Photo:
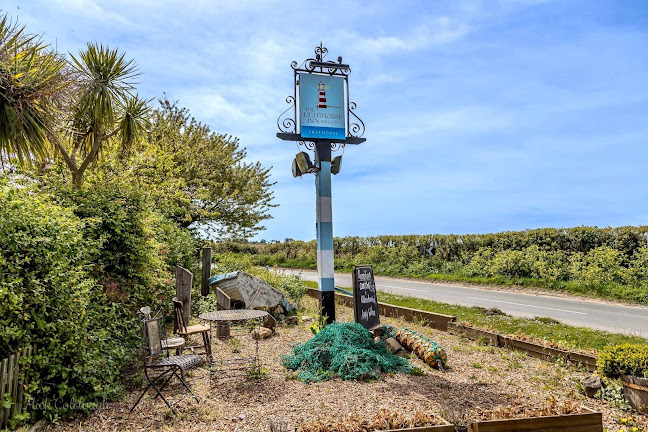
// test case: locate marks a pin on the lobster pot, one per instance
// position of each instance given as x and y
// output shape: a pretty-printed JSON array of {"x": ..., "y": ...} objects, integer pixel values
[{"x": 426, "y": 349}]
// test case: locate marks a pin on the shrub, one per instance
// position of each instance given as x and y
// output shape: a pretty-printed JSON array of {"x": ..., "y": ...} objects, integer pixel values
[
  {"x": 480, "y": 263},
  {"x": 136, "y": 246},
  {"x": 49, "y": 298},
  {"x": 627, "y": 359},
  {"x": 598, "y": 267},
  {"x": 510, "y": 263}
]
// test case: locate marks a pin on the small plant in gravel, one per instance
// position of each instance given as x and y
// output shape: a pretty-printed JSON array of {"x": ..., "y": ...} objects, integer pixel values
[
  {"x": 627, "y": 424},
  {"x": 613, "y": 393},
  {"x": 258, "y": 372},
  {"x": 235, "y": 345}
]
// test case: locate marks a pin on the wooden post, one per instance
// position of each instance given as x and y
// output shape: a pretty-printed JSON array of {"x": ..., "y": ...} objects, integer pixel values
[
  {"x": 224, "y": 303},
  {"x": 206, "y": 271},
  {"x": 3, "y": 385},
  {"x": 183, "y": 291}
]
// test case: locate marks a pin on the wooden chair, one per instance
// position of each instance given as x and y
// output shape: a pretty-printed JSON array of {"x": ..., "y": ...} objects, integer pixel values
[
  {"x": 174, "y": 342},
  {"x": 167, "y": 366},
  {"x": 186, "y": 331}
]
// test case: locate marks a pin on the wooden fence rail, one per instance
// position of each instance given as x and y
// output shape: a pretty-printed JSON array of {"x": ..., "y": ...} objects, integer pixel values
[{"x": 13, "y": 379}]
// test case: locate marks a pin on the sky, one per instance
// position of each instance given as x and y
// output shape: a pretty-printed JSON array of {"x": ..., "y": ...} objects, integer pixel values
[{"x": 481, "y": 116}]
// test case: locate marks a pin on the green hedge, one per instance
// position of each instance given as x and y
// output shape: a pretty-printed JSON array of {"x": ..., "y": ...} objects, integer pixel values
[
  {"x": 49, "y": 298},
  {"x": 75, "y": 265},
  {"x": 627, "y": 359},
  {"x": 599, "y": 262}
]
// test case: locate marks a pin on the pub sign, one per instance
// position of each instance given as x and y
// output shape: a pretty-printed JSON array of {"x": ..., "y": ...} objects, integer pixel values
[{"x": 322, "y": 106}]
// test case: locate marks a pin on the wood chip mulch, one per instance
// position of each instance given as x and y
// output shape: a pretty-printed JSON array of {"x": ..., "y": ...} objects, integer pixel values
[{"x": 481, "y": 379}]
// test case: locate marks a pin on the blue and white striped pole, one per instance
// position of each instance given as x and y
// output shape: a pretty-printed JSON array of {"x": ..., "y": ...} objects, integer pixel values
[{"x": 324, "y": 226}]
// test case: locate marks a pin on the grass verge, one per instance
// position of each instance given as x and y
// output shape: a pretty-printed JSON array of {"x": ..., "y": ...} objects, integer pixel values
[
  {"x": 610, "y": 291},
  {"x": 542, "y": 329}
]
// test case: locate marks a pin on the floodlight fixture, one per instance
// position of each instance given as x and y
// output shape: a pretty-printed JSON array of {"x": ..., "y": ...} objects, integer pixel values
[
  {"x": 336, "y": 164},
  {"x": 304, "y": 163},
  {"x": 296, "y": 172}
]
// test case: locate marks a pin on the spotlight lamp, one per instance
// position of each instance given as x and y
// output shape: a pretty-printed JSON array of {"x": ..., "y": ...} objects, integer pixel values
[
  {"x": 295, "y": 169},
  {"x": 304, "y": 163},
  {"x": 336, "y": 164}
]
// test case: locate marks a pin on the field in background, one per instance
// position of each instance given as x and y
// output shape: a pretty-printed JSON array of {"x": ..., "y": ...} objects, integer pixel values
[{"x": 610, "y": 263}]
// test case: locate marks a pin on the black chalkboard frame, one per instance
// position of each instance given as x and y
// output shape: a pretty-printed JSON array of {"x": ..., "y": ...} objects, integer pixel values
[{"x": 357, "y": 310}]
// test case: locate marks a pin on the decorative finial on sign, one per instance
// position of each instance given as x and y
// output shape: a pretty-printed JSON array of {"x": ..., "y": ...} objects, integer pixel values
[{"x": 320, "y": 52}]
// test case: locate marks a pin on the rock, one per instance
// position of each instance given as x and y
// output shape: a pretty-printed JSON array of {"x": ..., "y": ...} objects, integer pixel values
[
  {"x": 393, "y": 345},
  {"x": 291, "y": 320},
  {"x": 269, "y": 322},
  {"x": 591, "y": 384},
  {"x": 261, "y": 333},
  {"x": 281, "y": 317},
  {"x": 306, "y": 318}
]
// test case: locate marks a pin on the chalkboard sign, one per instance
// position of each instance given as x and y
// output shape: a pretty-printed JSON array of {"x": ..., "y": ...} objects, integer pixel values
[{"x": 364, "y": 297}]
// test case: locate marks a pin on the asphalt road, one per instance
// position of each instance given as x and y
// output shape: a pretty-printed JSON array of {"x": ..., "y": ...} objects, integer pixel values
[{"x": 601, "y": 315}]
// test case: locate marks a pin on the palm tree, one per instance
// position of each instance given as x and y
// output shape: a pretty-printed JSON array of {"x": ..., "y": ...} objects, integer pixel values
[
  {"x": 75, "y": 108},
  {"x": 32, "y": 80},
  {"x": 103, "y": 107}
]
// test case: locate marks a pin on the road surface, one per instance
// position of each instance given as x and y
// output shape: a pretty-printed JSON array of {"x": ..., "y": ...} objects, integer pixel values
[{"x": 601, "y": 315}]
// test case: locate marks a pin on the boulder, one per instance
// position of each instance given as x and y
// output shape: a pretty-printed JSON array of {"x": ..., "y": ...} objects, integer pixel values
[
  {"x": 269, "y": 322},
  {"x": 393, "y": 345},
  {"x": 591, "y": 384},
  {"x": 291, "y": 320},
  {"x": 261, "y": 333},
  {"x": 306, "y": 318}
]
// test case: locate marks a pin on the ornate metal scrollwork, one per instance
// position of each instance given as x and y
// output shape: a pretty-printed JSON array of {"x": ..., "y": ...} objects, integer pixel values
[
  {"x": 337, "y": 146},
  {"x": 357, "y": 126},
  {"x": 308, "y": 144},
  {"x": 285, "y": 123},
  {"x": 320, "y": 52}
]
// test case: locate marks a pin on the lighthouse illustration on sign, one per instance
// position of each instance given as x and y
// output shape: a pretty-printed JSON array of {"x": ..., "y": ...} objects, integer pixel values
[
  {"x": 321, "y": 100},
  {"x": 321, "y": 96}
]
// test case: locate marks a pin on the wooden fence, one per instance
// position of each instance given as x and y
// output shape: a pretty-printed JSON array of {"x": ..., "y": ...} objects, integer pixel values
[
  {"x": 13, "y": 379},
  {"x": 430, "y": 319}
]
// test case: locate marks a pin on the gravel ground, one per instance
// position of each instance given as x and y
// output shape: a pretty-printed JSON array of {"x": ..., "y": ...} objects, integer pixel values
[{"x": 482, "y": 379}]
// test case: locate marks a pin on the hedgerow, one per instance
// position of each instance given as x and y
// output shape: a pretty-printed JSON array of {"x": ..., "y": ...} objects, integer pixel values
[
  {"x": 75, "y": 265},
  {"x": 49, "y": 298},
  {"x": 602, "y": 262}
]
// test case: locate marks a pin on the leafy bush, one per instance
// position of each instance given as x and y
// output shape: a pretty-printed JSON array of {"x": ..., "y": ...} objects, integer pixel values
[
  {"x": 136, "y": 247},
  {"x": 600, "y": 266},
  {"x": 49, "y": 298},
  {"x": 627, "y": 359}
]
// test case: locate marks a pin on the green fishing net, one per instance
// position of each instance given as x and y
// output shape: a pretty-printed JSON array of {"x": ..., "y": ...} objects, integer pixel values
[{"x": 346, "y": 350}]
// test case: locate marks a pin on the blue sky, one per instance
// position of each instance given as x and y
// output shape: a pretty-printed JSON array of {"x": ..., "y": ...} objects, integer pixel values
[{"x": 481, "y": 116}]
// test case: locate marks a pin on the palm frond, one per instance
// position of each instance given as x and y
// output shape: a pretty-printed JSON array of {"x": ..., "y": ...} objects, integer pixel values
[
  {"x": 109, "y": 80},
  {"x": 135, "y": 122},
  {"x": 30, "y": 79}
]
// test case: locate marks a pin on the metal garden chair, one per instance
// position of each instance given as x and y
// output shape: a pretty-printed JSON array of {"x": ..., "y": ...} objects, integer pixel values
[
  {"x": 175, "y": 342},
  {"x": 165, "y": 367}
]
